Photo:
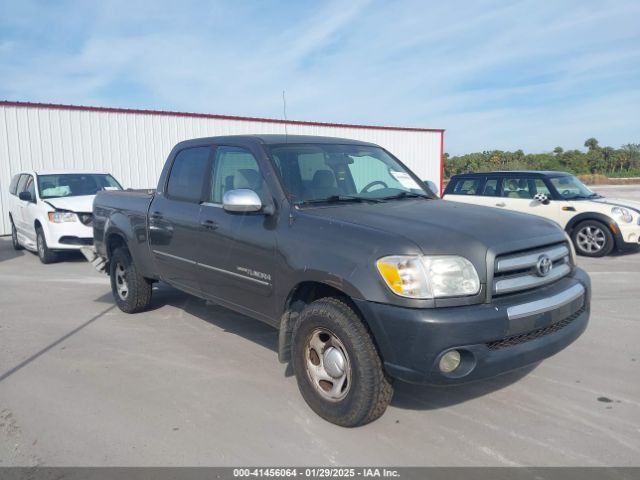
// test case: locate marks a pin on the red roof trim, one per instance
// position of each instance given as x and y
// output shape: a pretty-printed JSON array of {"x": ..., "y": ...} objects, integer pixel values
[{"x": 84, "y": 108}]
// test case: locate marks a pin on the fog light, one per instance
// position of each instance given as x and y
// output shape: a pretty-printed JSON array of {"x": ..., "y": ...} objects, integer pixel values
[{"x": 450, "y": 361}]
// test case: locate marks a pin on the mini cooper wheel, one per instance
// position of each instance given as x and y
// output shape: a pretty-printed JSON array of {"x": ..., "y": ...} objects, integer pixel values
[
  {"x": 45, "y": 254},
  {"x": 592, "y": 239},
  {"x": 14, "y": 238},
  {"x": 131, "y": 291},
  {"x": 337, "y": 366}
]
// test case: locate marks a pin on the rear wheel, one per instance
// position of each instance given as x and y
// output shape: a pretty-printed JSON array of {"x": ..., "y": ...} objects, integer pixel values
[
  {"x": 337, "y": 366},
  {"x": 14, "y": 238},
  {"x": 45, "y": 254},
  {"x": 592, "y": 239},
  {"x": 131, "y": 291}
]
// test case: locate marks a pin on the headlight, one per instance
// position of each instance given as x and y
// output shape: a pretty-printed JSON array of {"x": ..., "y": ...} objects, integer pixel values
[
  {"x": 622, "y": 214},
  {"x": 424, "y": 277},
  {"x": 61, "y": 217}
]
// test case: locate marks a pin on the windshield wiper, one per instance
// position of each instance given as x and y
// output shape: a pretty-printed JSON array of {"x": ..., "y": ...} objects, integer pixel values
[
  {"x": 407, "y": 195},
  {"x": 340, "y": 198}
]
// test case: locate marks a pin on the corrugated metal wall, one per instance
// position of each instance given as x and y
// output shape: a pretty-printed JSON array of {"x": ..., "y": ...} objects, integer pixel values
[{"x": 133, "y": 145}]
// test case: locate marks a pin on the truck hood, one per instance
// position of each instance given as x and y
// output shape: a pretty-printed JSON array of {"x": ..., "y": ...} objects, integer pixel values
[
  {"x": 83, "y": 203},
  {"x": 439, "y": 227}
]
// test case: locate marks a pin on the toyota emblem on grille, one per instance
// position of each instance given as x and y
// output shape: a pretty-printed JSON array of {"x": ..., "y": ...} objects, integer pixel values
[{"x": 544, "y": 265}]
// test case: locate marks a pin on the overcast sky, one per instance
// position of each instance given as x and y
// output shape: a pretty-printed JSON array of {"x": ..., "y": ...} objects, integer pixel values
[{"x": 494, "y": 74}]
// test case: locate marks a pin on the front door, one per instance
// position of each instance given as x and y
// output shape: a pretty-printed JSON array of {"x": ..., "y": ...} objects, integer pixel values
[
  {"x": 174, "y": 217},
  {"x": 236, "y": 250}
]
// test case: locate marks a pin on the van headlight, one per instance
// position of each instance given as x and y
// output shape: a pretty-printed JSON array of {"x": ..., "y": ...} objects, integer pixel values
[
  {"x": 424, "y": 277},
  {"x": 622, "y": 214},
  {"x": 62, "y": 217}
]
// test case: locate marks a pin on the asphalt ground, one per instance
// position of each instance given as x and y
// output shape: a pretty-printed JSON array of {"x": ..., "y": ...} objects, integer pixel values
[{"x": 189, "y": 383}]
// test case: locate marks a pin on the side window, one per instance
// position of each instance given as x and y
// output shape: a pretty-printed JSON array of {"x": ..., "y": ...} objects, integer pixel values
[
  {"x": 22, "y": 182},
  {"x": 13, "y": 188},
  {"x": 517, "y": 187},
  {"x": 31, "y": 187},
  {"x": 468, "y": 186},
  {"x": 490, "y": 188},
  {"x": 235, "y": 168},
  {"x": 541, "y": 187},
  {"x": 187, "y": 174}
]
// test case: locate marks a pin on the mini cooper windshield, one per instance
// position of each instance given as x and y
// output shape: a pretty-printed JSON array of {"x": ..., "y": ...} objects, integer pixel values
[
  {"x": 75, "y": 184},
  {"x": 319, "y": 173},
  {"x": 569, "y": 188}
]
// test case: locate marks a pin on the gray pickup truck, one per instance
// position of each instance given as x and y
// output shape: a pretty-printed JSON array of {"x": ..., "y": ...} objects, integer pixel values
[{"x": 367, "y": 275}]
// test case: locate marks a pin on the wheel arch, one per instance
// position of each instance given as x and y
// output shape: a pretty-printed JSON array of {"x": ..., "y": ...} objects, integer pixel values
[
  {"x": 301, "y": 295},
  {"x": 607, "y": 221}
]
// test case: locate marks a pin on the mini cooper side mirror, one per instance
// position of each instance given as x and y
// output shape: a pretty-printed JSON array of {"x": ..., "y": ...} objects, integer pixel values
[{"x": 542, "y": 198}]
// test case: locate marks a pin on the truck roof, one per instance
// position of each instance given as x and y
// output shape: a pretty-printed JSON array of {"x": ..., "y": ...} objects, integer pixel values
[{"x": 280, "y": 139}]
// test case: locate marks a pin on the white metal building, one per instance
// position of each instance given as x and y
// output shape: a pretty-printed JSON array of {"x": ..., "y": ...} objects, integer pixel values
[{"x": 133, "y": 144}]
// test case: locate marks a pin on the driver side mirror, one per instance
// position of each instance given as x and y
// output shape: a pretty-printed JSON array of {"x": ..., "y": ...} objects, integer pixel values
[
  {"x": 241, "y": 200},
  {"x": 542, "y": 198},
  {"x": 431, "y": 186},
  {"x": 25, "y": 196}
]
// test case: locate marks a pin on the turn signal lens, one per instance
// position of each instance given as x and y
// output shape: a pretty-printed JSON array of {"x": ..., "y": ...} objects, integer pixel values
[{"x": 405, "y": 276}]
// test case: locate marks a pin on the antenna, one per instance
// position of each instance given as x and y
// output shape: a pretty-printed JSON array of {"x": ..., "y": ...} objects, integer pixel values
[{"x": 284, "y": 109}]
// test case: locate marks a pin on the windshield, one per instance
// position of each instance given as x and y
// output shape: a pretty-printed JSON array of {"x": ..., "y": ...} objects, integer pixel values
[
  {"x": 75, "y": 184},
  {"x": 313, "y": 173},
  {"x": 569, "y": 187}
]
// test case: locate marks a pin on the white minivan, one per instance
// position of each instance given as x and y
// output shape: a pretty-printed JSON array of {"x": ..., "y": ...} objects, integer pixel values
[{"x": 52, "y": 211}]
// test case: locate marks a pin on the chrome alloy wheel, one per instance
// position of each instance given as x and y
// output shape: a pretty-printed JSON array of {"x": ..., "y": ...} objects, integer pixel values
[
  {"x": 327, "y": 364},
  {"x": 591, "y": 239},
  {"x": 121, "y": 282},
  {"x": 40, "y": 244}
]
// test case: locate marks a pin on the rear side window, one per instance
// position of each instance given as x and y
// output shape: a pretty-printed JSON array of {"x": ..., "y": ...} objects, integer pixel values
[
  {"x": 13, "y": 188},
  {"x": 188, "y": 173},
  {"x": 468, "y": 186}
]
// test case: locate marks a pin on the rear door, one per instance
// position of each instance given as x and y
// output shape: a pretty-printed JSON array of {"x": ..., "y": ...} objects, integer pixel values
[
  {"x": 235, "y": 251},
  {"x": 174, "y": 218}
]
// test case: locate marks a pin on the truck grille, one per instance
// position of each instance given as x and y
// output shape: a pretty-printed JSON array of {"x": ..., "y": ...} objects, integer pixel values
[
  {"x": 86, "y": 218},
  {"x": 520, "y": 271},
  {"x": 541, "y": 332}
]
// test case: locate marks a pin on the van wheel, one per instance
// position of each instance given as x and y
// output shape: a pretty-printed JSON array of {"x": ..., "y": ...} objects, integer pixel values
[
  {"x": 45, "y": 254},
  {"x": 337, "y": 366},
  {"x": 592, "y": 239},
  {"x": 14, "y": 238},
  {"x": 131, "y": 291}
]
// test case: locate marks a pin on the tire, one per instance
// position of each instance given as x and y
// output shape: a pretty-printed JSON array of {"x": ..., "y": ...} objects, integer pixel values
[
  {"x": 45, "y": 254},
  {"x": 14, "y": 238},
  {"x": 131, "y": 291},
  {"x": 592, "y": 238},
  {"x": 362, "y": 392}
]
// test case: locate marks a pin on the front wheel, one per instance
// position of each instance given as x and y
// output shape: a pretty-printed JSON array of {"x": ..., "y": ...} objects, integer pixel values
[
  {"x": 45, "y": 254},
  {"x": 131, "y": 291},
  {"x": 592, "y": 239},
  {"x": 337, "y": 366}
]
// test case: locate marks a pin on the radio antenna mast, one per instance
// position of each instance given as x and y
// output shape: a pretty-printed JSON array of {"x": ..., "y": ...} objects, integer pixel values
[{"x": 284, "y": 110}]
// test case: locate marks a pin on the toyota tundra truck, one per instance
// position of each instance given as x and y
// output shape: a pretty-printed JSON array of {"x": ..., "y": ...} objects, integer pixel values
[{"x": 365, "y": 273}]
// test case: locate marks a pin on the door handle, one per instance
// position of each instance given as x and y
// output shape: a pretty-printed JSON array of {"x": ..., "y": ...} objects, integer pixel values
[
  {"x": 209, "y": 224},
  {"x": 501, "y": 204},
  {"x": 156, "y": 216}
]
